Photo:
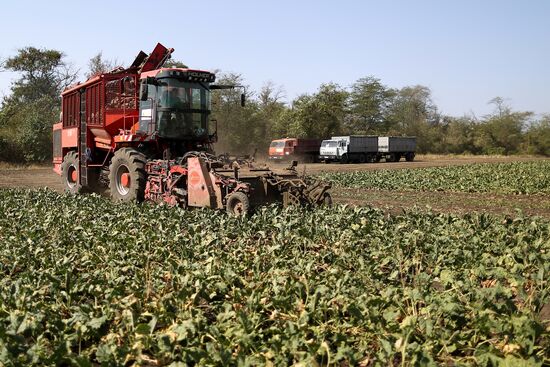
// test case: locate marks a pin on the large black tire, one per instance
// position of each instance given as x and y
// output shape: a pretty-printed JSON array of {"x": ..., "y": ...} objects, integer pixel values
[
  {"x": 69, "y": 173},
  {"x": 409, "y": 157},
  {"x": 127, "y": 177},
  {"x": 238, "y": 204},
  {"x": 344, "y": 159},
  {"x": 362, "y": 158}
]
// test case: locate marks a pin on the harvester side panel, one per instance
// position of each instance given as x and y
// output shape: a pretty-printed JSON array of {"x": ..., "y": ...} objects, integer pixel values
[
  {"x": 71, "y": 109},
  {"x": 94, "y": 104},
  {"x": 200, "y": 186}
]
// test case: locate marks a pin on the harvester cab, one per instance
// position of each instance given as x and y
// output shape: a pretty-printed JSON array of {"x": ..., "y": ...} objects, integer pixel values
[
  {"x": 175, "y": 105},
  {"x": 145, "y": 132}
]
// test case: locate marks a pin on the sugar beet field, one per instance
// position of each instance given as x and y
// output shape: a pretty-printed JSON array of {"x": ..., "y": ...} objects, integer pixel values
[{"x": 89, "y": 282}]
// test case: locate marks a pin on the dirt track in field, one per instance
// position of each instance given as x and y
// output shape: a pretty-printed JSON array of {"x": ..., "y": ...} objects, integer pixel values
[
  {"x": 32, "y": 177},
  {"x": 419, "y": 162},
  {"x": 393, "y": 201}
]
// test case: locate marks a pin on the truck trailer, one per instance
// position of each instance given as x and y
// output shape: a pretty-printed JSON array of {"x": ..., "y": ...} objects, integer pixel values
[
  {"x": 351, "y": 148},
  {"x": 367, "y": 148},
  {"x": 304, "y": 150},
  {"x": 392, "y": 148}
]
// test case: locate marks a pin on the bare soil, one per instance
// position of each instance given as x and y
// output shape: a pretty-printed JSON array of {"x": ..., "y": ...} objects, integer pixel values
[
  {"x": 392, "y": 201},
  {"x": 33, "y": 177}
]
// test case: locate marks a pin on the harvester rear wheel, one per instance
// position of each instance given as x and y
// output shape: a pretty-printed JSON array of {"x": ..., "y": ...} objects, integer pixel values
[
  {"x": 238, "y": 204},
  {"x": 69, "y": 173},
  {"x": 127, "y": 176}
]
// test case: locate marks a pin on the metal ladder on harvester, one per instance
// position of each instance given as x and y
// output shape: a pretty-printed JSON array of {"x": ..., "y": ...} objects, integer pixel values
[{"x": 82, "y": 148}]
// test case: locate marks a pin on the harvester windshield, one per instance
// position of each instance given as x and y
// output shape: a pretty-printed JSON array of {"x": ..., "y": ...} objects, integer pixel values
[
  {"x": 179, "y": 95},
  {"x": 329, "y": 143},
  {"x": 182, "y": 108}
]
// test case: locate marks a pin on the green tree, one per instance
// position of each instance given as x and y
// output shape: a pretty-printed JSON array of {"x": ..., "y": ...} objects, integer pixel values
[
  {"x": 502, "y": 131},
  {"x": 319, "y": 115},
  {"x": 458, "y": 135},
  {"x": 369, "y": 104},
  {"x": 270, "y": 109},
  {"x": 413, "y": 113},
  {"x": 44, "y": 73},
  {"x": 537, "y": 137},
  {"x": 98, "y": 65},
  {"x": 236, "y": 125},
  {"x": 27, "y": 114}
]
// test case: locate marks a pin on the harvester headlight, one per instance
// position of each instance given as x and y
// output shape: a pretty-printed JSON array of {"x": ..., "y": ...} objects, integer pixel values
[{"x": 287, "y": 153}]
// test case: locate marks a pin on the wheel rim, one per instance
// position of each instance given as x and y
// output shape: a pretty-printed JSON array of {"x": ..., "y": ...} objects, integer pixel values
[
  {"x": 72, "y": 176},
  {"x": 238, "y": 208},
  {"x": 123, "y": 180}
]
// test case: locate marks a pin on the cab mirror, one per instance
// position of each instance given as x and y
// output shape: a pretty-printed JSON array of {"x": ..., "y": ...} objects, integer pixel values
[
  {"x": 144, "y": 92},
  {"x": 243, "y": 100}
]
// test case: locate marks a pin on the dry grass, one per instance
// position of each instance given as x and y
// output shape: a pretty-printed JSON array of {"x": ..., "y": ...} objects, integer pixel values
[{"x": 20, "y": 166}]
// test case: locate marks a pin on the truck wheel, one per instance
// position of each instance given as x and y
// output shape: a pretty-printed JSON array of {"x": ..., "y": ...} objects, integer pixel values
[
  {"x": 127, "y": 177},
  {"x": 409, "y": 157},
  {"x": 362, "y": 158},
  {"x": 69, "y": 174},
  {"x": 391, "y": 158},
  {"x": 238, "y": 204},
  {"x": 344, "y": 159}
]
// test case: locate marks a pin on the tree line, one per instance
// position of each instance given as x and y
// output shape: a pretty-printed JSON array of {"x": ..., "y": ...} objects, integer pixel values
[{"x": 368, "y": 106}]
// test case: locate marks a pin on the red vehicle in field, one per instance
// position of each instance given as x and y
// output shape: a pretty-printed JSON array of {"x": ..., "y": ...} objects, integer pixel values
[
  {"x": 145, "y": 133},
  {"x": 305, "y": 150}
]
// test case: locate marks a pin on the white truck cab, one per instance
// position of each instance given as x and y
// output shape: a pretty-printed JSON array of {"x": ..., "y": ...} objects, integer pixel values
[{"x": 332, "y": 149}]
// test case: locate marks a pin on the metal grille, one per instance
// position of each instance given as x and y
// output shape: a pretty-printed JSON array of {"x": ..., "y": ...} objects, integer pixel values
[
  {"x": 71, "y": 109},
  {"x": 94, "y": 104},
  {"x": 120, "y": 94},
  {"x": 83, "y": 152},
  {"x": 57, "y": 150}
]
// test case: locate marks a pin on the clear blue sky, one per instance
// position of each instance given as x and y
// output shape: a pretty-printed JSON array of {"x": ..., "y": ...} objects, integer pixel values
[{"x": 466, "y": 51}]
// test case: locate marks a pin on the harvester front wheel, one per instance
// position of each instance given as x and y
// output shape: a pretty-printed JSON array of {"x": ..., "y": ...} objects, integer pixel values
[
  {"x": 238, "y": 204},
  {"x": 127, "y": 176},
  {"x": 69, "y": 173}
]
